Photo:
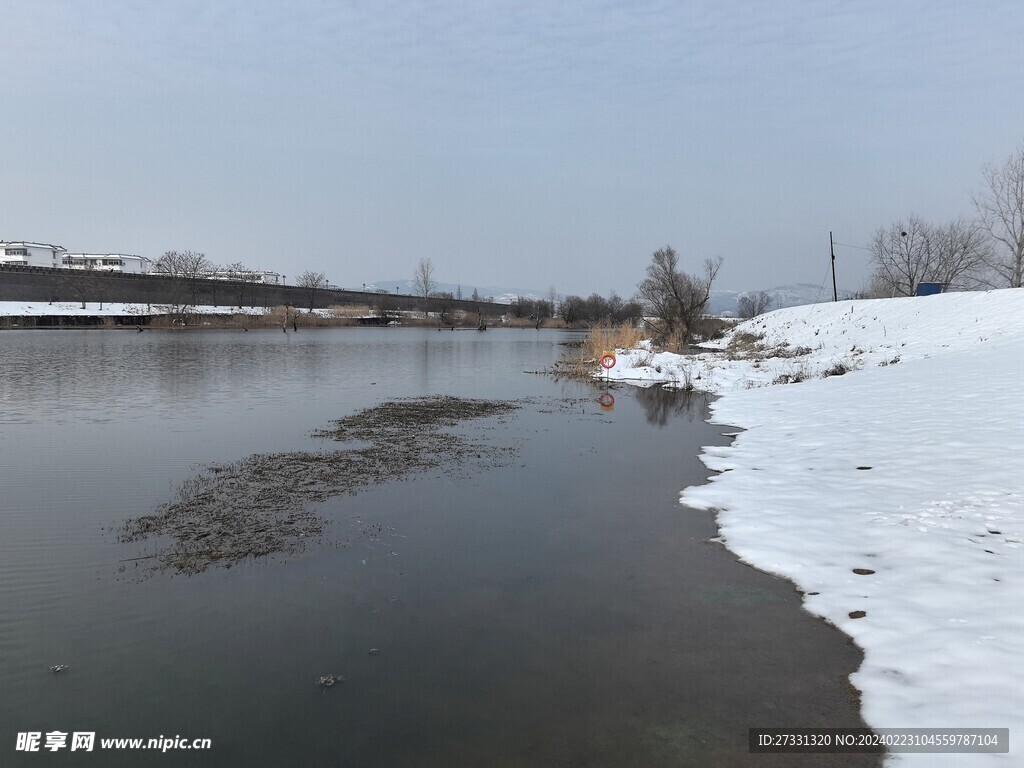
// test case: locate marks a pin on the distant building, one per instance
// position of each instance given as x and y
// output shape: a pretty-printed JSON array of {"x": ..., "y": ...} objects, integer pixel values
[
  {"x": 31, "y": 254},
  {"x": 245, "y": 276},
  {"x": 108, "y": 262},
  {"x": 45, "y": 255}
]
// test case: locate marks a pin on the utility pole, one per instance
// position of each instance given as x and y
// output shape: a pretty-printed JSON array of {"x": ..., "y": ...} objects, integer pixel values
[{"x": 832, "y": 248}]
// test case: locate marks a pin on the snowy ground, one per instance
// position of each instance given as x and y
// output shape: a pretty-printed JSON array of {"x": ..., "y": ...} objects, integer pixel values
[
  {"x": 909, "y": 469},
  {"x": 118, "y": 309}
]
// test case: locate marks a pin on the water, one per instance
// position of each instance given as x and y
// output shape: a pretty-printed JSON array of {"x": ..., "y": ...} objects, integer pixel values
[{"x": 560, "y": 610}]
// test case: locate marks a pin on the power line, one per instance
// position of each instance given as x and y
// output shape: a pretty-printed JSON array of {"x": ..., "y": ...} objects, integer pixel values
[
  {"x": 821, "y": 288},
  {"x": 858, "y": 247}
]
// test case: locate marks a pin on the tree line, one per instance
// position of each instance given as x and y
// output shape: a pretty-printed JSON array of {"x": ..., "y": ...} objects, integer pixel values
[
  {"x": 187, "y": 268},
  {"x": 984, "y": 251},
  {"x": 671, "y": 301},
  {"x": 597, "y": 309}
]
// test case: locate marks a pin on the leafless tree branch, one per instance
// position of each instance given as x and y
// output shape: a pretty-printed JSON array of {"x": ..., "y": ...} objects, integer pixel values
[{"x": 1000, "y": 209}]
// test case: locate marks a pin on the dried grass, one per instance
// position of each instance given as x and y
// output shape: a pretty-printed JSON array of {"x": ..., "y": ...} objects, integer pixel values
[
  {"x": 838, "y": 369},
  {"x": 750, "y": 346},
  {"x": 608, "y": 338},
  {"x": 745, "y": 344},
  {"x": 601, "y": 339},
  {"x": 642, "y": 361}
]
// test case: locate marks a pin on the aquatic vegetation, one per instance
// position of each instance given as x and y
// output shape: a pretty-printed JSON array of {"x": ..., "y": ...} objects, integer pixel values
[{"x": 261, "y": 504}]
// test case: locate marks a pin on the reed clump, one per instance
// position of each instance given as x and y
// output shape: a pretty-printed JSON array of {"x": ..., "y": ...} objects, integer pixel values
[
  {"x": 609, "y": 338},
  {"x": 583, "y": 360}
]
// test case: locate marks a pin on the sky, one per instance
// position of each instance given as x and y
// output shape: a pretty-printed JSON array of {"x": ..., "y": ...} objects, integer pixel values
[{"x": 522, "y": 144}]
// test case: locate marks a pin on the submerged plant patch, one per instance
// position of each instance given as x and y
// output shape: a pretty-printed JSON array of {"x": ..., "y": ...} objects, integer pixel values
[{"x": 260, "y": 505}]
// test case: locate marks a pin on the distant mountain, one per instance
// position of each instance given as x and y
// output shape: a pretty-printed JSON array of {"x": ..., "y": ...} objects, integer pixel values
[{"x": 725, "y": 302}]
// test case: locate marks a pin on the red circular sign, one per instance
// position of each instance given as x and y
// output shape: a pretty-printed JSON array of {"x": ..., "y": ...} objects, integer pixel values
[{"x": 608, "y": 360}]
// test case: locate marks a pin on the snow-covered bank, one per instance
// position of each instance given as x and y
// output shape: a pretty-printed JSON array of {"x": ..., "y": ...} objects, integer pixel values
[
  {"x": 894, "y": 493},
  {"x": 117, "y": 309},
  {"x": 805, "y": 342}
]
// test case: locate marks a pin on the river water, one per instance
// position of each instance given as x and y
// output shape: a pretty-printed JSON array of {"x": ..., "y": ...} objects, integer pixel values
[{"x": 559, "y": 609}]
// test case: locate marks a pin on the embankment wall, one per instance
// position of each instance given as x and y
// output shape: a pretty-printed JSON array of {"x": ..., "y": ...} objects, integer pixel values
[{"x": 47, "y": 284}]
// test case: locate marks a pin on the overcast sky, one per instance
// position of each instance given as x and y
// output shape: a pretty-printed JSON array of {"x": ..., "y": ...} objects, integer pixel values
[{"x": 522, "y": 144}]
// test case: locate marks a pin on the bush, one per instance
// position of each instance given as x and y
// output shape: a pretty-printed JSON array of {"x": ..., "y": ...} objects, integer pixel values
[
  {"x": 790, "y": 378},
  {"x": 753, "y": 304},
  {"x": 838, "y": 369}
]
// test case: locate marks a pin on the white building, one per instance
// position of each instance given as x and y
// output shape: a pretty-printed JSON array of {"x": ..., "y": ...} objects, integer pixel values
[
  {"x": 109, "y": 262},
  {"x": 31, "y": 254}
]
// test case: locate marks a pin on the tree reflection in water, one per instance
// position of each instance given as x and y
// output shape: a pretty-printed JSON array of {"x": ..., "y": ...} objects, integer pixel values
[{"x": 660, "y": 404}]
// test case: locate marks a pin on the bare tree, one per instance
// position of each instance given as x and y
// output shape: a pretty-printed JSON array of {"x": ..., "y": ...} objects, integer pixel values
[
  {"x": 962, "y": 252},
  {"x": 571, "y": 309},
  {"x": 914, "y": 251},
  {"x": 171, "y": 265},
  {"x": 423, "y": 279},
  {"x": 312, "y": 282},
  {"x": 674, "y": 299},
  {"x": 753, "y": 304},
  {"x": 521, "y": 307},
  {"x": 190, "y": 266},
  {"x": 1000, "y": 207},
  {"x": 901, "y": 256},
  {"x": 542, "y": 311},
  {"x": 614, "y": 305},
  {"x": 242, "y": 277}
]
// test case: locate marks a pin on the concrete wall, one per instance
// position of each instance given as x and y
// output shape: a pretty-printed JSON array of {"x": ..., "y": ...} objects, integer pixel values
[{"x": 44, "y": 284}]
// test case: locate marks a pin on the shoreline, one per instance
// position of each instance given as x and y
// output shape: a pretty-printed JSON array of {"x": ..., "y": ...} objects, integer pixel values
[
  {"x": 119, "y": 316},
  {"x": 890, "y": 496}
]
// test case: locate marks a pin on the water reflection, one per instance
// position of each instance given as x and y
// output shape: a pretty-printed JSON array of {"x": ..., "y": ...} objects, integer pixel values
[
  {"x": 67, "y": 375},
  {"x": 661, "y": 404}
]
